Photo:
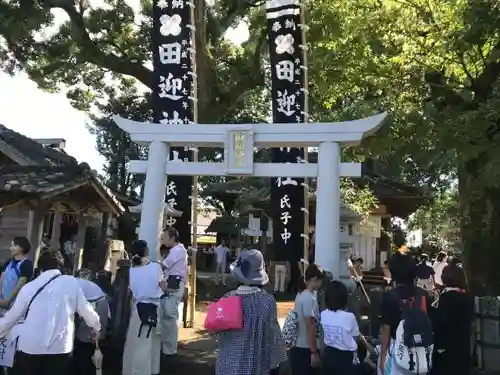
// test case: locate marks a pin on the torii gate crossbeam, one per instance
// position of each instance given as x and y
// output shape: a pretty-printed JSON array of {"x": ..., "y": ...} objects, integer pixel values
[{"x": 239, "y": 142}]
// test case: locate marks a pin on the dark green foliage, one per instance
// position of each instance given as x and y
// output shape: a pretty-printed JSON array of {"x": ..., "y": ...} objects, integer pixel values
[{"x": 432, "y": 64}]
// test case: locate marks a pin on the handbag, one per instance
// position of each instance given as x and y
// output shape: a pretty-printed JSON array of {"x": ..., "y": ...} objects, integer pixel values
[
  {"x": 174, "y": 282},
  {"x": 224, "y": 315},
  {"x": 148, "y": 314}
]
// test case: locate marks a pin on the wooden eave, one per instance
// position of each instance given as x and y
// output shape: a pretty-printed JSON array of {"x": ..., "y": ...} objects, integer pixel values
[{"x": 66, "y": 186}]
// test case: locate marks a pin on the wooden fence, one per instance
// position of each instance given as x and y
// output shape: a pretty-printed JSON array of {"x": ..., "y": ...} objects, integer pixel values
[{"x": 486, "y": 333}]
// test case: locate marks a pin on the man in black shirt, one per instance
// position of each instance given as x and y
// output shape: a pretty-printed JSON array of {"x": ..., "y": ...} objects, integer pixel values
[
  {"x": 425, "y": 274},
  {"x": 16, "y": 272},
  {"x": 404, "y": 271}
]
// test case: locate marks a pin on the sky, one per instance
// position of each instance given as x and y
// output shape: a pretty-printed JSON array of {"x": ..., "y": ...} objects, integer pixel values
[{"x": 37, "y": 114}]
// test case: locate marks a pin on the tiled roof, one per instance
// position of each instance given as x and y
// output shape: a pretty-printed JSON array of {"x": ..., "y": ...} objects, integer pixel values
[
  {"x": 40, "y": 179},
  {"x": 50, "y": 171},
  {"x": 52, "y": 180},
  {"x": 34, "y": 151},
  {"x": 384, "y": 187},
  {"x": 381, "y": 187},
  {"x": 227, "y": 225},
  {"x": 402, "y": 198}
]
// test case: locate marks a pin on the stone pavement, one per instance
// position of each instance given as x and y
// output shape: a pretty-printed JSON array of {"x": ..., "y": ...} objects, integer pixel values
[{"x": 197, "y": 349}]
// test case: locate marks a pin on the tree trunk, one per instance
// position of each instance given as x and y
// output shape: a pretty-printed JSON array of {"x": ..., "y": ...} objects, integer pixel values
[
  {"x": 480, "y": 228},
  {"x": 204, "y": 74}
]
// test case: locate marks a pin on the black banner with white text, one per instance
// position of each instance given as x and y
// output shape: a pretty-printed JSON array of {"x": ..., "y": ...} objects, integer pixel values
[
  {"x": 288, "y": 97},
  {"x": 173, "y": 101}
]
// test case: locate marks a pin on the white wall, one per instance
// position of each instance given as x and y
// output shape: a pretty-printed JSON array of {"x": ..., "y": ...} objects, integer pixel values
[
  {"x": 203, "y": 221},
  {"x": 361, "y": 238},
  {"x": 415, "y": 238}
]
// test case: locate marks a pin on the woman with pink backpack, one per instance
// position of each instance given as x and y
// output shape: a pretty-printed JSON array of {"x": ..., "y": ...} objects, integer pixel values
[{"x": 245, "y": 322}]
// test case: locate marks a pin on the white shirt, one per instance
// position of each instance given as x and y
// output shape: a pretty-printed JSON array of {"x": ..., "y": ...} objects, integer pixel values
[
  {"x": 176, "y": 262},
  {"x": 438, "y": 269},
  {"x": 145, "y": 282},
  {"x": 49, "y": 327},
  {"x": 91, "y": 290},
  {"x": 69, "y": 247},
  {"x": 221, "y": 253},
  {"x": 340, "y": 329}
]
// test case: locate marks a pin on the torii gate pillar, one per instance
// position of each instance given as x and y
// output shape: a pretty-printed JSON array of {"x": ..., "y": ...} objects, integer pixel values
[
  {"x": 239, "y": 141},
  {"x": 154, "y": 196},
  {"x": 328, "y": 211}
]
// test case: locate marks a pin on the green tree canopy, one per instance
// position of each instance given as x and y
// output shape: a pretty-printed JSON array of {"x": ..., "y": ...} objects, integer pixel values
[
  {"x": 101, "y": 56},
  {"x": 439, "y": 221},
  {"x": 432, "y": 64}
]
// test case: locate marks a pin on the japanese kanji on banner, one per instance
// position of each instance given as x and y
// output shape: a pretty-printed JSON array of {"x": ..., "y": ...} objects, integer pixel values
[
  {"x": 174, "y": 100},
  {"x": 7, "y": 351},
  {"x": 287, "y": 49}
]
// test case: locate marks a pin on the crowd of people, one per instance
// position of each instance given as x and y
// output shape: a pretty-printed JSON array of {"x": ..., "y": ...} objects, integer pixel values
[
  {"x": 425, "y": 319},
  {"x": 157, "y": 290},
  {"x": 55, "y": 321},
  {"x": 48, "y": 317}
]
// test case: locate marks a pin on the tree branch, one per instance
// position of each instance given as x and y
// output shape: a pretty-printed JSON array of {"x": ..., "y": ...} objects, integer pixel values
[
  {"x": 91, "y": 51},
  {"x": 437, "y": 82},
  {"x": 231, "y": 15},
  {"x": 237, "y": 9},
  {"x": 204, "y": 67},
  {"x": 461, "y": 56},
  {"x": 481, "y": 54},
  {"x": 249, "y": 80},
  {"x": 485, "y": 81}
]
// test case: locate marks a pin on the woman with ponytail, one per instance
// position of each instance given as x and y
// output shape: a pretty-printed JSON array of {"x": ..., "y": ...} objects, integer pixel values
[
  {"x": 143, "y": 343},
  {"x": 304, "y": 356}
]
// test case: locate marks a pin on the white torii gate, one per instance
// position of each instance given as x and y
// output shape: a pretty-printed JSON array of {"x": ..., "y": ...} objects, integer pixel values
[
  {"x": 239, "y": 142},
  {"x": 168, "y": 211}
]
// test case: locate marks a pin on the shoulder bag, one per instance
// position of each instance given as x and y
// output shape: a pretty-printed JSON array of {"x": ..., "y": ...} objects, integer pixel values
[
  {"x": 38, "y": 292},
  {"x": 31, "y": 301}
]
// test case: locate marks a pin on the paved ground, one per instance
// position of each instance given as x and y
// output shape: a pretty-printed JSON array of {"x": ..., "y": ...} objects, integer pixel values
[{"x": 197, "y": 350}]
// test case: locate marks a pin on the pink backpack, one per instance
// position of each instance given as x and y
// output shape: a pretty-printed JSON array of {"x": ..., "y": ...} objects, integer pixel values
[{"x": 224, "y": 315}]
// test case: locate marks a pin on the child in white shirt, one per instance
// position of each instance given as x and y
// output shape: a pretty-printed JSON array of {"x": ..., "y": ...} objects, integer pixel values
[{"x": 341, "y": 332}]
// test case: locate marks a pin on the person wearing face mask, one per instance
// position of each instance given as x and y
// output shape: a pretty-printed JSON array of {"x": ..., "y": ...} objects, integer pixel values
[{"x": 175, "y": 275}]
